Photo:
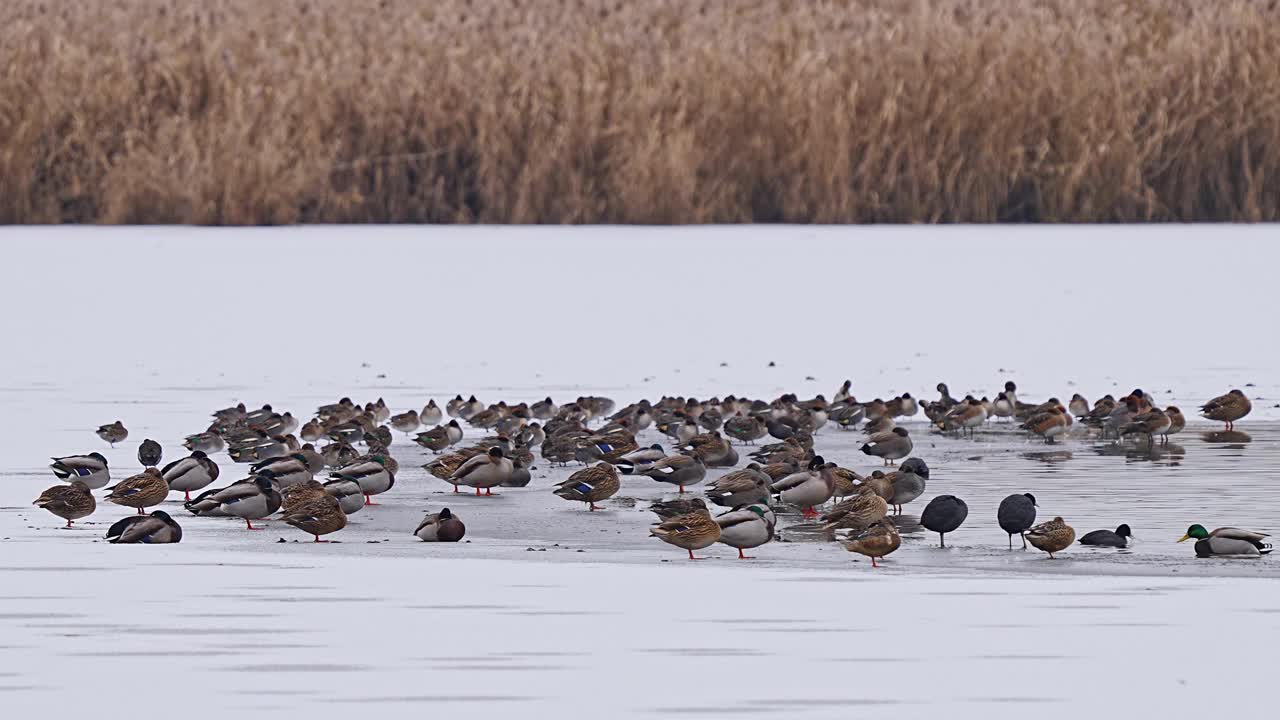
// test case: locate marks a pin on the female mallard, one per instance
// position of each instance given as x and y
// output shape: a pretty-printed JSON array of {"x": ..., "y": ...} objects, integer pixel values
[
  {"x": 89, "y": 469},
  {"x": 1227, "y": 541},
  {"x": 1051, "y": 537},
  {"x": 150, "y": 453},
  {"x": 944, "y": 514},
  {"x": 746, "y": 527},
  {"x": 154, "y": 529},
  {"x": 1227, "y": 408},
  {"x": 892, "y": 445},
  {"x": 443, "y": 526},
  {"x": 348, "y": 493},
  {"x": 484, "y": 471},
  {"x": 679, "y": 470},
  {"x": 1106, "y": 538},
  {"x": 372, "y": 474},
  {"x": 876, "y": 541},
  {"x": 113, "y": 433},
  {"x": 807, "y": 489},
  {"x": 194, "y": 472},
  {"x": 846, "y": 482},
  {"x": 590, "y": 485},
  {"x": 319, "y": 516},
  {"x": 740, "y": 487},
  {"x": 144, "y": 490},
  {"x": 712, "y": 449},
  {"x": 692, "y": 531},
  {"x": 295, "y": 495},
  {"x": 859, "y": 512},
  {"x": 69, "y": 502},
  {"x": 668, "y": 509},
  {"x": 880, "y": 484}
]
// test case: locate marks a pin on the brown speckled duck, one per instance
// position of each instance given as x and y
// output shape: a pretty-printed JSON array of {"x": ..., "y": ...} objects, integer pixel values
[
  {"x": 69, "y": 502},
  {"x": 1227, "y": 408},
  {"x": 1051, "y": 537},
  {"x": 590, "y": 485},
  {"x": 144, "y": 490}
]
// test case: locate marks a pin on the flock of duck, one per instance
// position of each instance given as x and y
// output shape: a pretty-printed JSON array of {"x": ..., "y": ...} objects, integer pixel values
[{"x": 787, "y": 474}]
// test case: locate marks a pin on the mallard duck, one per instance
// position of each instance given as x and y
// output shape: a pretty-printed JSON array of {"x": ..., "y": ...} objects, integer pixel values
[
  {"x": 746, "y": 527},
  {"x": 520, "y": 475},
  {"x": 149, "y": 453},
  {"x": 1150, "y": 423},
  {"x": 807, "y": 489},
  {"x": 318, "y": 516},
  {"x": 431, "y": 413},
  {"x": 908, "y": 482},
  {"x": 859, "y": 512},
  {"x": 892, "y": 445},
  {"x": 89, "y": 469},
  {"x": 740, "y": 487},
  {"x": 1048, "y": 424},
  {"x": 692, "y": 531},
  {"x": 443, "y": 526},
  {"x": 944, "y": 514},
  {"x": 1051, "y": 537},
  {"x": 1107, "y": 538},
  {"x": 113, "y": 433},
  {"x": 154, "y": 529},
  {"x": 295, "y": 495},
  {"x": 286, "y": 470},
  {"x": 144, "y": 490},
  {"x": 712, "y": 449},
  {"x": 443, "y": 466},
  {"x": 207, "y": 442},
  {"x": 338, "y": 454},
  {"x": 876, "y": 541},
  {"x": 667, "y": 509},
  {"x": 1176, "y": 421},
  {"x": 880, "y": 484},
  {"x": 348, "y": 493},
  {"x": 637, "y": 461},
  {"x": 1016, "y": 515},
  {"x": 406, "y": 422},
  {"x": 746, "y": 429},
  {"x": 590, "y": 485},
  {"x": 436, "y": 439},
  {"x": 679, "y": 470},
  {"x": 69, "y": 502},
  {"x": 1227, "y": 541},
  {"x": 373, "y": 475},
  {"x": 194, "y": 472},
  {"x": 249, "y": 500},
  {"x": 484, "y": 471},
  {"x": 846, "y": 482},
  {"x": 1079, "y": 406},
  {"x": 1227, "y": 408}
]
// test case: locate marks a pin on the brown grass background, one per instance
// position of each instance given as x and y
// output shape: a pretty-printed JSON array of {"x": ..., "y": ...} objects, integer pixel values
[{"x": 639, "y": 111}]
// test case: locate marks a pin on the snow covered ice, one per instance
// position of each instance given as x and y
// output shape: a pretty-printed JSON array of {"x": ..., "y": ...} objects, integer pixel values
[{"x": 550, "y": 609}]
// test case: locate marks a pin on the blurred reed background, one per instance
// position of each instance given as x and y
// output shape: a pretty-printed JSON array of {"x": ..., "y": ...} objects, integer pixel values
[{"x": 639, "y": 111}]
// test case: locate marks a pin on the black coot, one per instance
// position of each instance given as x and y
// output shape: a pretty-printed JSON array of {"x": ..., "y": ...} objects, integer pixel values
[
  {"x": 1016, "y": 515},
  {"x": 944, "y": 514}
]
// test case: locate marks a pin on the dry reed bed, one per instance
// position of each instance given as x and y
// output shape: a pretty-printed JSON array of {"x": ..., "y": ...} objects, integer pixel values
[{"x": 655, "y": 111}]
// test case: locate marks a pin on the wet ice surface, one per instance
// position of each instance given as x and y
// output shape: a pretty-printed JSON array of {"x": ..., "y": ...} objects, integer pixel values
[{"x": 548, "y": 608}]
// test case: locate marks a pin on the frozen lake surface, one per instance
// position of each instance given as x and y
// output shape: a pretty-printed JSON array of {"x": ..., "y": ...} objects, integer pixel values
[{"x": 547, "y": 608}]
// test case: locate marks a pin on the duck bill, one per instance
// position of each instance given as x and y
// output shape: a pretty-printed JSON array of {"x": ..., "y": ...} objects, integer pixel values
[{"x": 1184, "y": 538}]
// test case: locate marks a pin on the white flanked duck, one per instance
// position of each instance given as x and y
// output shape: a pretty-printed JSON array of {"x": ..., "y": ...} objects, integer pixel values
[
  {"x": 89, "y": 469},
  {"x": 809, "y": 488},
  {"x": 443, "y": 526},
  {"x": 194, "y": 472},
  {"x": 154, "y": 529},
  {"x": 372, "y": 474},
  {"x": 249, "y": 500},
  {"x": 484, "y": 471},
  {"x": 746, "y": 527},
  {"x": 1227, "y": 541}
]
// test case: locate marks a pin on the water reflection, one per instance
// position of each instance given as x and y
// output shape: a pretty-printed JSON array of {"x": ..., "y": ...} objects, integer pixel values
[
  {"x": 1049, "y": 456},
  {"x": 1235, "y": 439}
]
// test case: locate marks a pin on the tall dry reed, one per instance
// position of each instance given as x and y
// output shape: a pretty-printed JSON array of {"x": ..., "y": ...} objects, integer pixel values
[{"x": 638, "y": 111}]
